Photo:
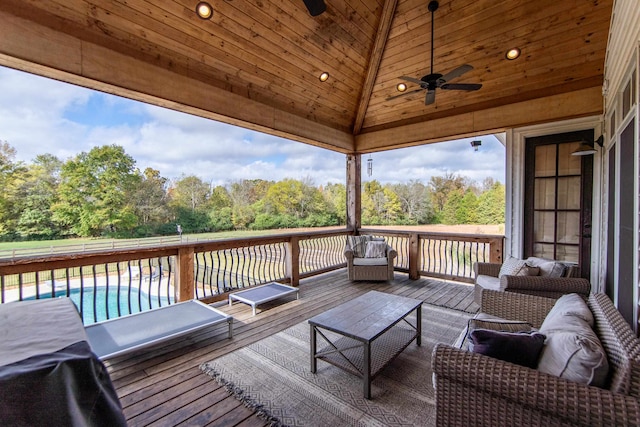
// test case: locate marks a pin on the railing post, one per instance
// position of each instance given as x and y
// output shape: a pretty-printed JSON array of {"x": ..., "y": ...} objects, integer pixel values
[
  {"x": 496, "y": 250},
  {"x": 184, "y": 275},
  {"x": 293, "y": 260},
  {"x": 414, "y": 256}
]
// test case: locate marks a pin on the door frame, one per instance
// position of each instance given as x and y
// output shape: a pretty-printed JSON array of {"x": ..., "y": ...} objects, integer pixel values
[
  {"x": 515, "y": 190},
  {"x": 586, "y": 199}
]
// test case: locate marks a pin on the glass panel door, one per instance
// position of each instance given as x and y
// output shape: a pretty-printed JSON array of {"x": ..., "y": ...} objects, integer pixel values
[{"x": 557, "y": 210}]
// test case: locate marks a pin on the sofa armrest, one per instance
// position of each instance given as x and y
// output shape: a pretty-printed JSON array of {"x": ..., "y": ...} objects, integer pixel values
[
  {"x": 458, "y": 371},
  {"x": 487, "y": 268},
  {"x": 550, "y": 287},
  {"x": 391, "y": 253},
  {"x": 348, "y": 253},
  {"x": 515, "y": 306}
]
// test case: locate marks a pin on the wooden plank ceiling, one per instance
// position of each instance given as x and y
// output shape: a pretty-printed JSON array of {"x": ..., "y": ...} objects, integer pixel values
[{"x": 256, "y": 63}]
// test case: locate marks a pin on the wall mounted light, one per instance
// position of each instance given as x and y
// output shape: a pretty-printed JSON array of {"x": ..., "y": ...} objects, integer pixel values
[
  {"x": 324, "y": 77},
  {"x": 587, "y": 148},
  {"x": 401, "y": 87},
  {"x": 476, "y": 145},
  {"x": 512, "y": 54},
  {"x": 204, "y": 10}
]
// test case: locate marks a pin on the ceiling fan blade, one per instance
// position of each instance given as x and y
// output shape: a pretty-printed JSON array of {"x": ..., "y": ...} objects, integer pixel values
[
  {"x": 403, "y": 94},
  {"x": 315, "y": 7},
  {"x": 430, "y": 98},
  {"x": 461, "y": 86},
  {"x": 412, "y": 80},
  {"x": 455, "y": 73}
]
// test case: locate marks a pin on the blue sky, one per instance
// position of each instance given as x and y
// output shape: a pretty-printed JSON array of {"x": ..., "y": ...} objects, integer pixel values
[{"x": 39, "y": 115}]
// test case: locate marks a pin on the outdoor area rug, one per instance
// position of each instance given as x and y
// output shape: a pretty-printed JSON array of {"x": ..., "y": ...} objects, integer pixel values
[{"x": 273, "y": 377}]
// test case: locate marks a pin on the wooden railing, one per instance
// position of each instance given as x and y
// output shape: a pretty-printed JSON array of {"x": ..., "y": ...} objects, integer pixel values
[
  {"x": 448, "y": 256},
  {"x": 112, "y": 283}
]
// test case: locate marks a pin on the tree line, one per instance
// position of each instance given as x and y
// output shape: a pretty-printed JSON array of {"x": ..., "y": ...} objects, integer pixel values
[{"x": 103, "y": 193}]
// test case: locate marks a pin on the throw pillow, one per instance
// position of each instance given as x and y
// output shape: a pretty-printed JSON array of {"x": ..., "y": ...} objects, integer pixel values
[
  {"x": 566, "y": 306},
  {"x": 358, "y": 245},
  {"x": 576, "y": 357},
  {"x": 527, "y": 270},
  {"x": 519, "y": 348},
  {"x": 485, "y": 321},
  {"x": 510, "y": 266},
  {"x": 376, "y": 249},
  {"x": 552, "y": 269}
]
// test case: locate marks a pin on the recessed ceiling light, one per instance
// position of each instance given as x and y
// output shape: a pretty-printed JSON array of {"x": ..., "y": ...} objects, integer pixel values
[
  {"x": 401, "y": 87},
  {"x": 204, "y": 10},
  {"x": 324, "y": 77},
  {"x": 513, "y": 54}
]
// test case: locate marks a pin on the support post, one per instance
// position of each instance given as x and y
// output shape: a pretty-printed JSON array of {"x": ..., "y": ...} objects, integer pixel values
[
  {"x": 496, "y": 250},
  {"x": 414, "y": 256},
  {"x": 293, "y": 260},
  {"x": 354, "y": 184},
  {"x": 185, "y": 285}
]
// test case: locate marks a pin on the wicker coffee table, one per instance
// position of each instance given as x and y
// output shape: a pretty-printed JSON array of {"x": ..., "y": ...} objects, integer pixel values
[{"x": 365, "y": 334}]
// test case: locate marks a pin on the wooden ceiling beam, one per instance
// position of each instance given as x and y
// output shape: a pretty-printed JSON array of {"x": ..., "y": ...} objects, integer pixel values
[
  {"x": 581, "y": 103},
  {"x": 374, "y": 63}
]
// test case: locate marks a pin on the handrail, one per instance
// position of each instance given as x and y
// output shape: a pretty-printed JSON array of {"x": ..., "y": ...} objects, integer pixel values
[{"x": 136, "y": 279}]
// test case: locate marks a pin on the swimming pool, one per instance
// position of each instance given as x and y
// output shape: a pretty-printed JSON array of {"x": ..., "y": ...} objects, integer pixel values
[{"x": 102, "y": 303}]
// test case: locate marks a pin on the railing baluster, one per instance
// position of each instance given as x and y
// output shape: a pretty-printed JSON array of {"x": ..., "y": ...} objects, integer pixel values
[
  {"x": 118, "y": 287},
  {"x": 106, "y": 292}
]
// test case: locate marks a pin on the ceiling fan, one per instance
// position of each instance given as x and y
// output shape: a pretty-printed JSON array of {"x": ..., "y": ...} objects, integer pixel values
[
  {"x": 433, "y": 81},
  {"x": 315, "y": 7}
]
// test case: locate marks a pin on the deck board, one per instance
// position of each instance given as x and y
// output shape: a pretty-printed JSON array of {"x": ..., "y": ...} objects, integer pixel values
[{"x": 162, "y": 385}]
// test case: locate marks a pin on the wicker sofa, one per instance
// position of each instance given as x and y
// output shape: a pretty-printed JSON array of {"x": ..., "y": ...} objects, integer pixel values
[
  {"x": 487, "y": 277},
  {"x": 477, "y": 390}
]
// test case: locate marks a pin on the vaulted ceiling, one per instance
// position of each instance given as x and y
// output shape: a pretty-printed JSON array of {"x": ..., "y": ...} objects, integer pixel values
[{"x": 257, "y": 63}]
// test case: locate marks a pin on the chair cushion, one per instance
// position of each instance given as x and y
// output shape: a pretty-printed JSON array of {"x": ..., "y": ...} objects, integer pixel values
[
  {"x": 370, "y": 261},
  {"x": 376, "y": 249},
  {"x": 488, "y": 282},
  {"x": 516, "y": 347}
]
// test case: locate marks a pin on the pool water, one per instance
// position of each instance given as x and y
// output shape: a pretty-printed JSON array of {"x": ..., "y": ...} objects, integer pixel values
[{"x": 107, "y": 302}]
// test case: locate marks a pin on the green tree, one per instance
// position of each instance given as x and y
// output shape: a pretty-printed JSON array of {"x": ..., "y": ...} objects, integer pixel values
[
  {"x": 149, "y": 197},
  {"x": 11, "y": 176},
  {"x": 38, "y": 193},
  {"x": 335, "y": 196},
  {"x": 94, "y": 191},
  {"x": 416, "y": 202},
  {"x": 491, "y": 205},
  {"x": 373, "y": 200},
  {"x": 189, "y": 192}
]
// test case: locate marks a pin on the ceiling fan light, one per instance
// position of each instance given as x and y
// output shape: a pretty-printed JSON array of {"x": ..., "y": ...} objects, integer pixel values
[
  {"x": 513, "y": 53},
  {"x": 204, "y": 10},
  {"x": 324, "y": 77},
  {"x": 401, "y": 87}
]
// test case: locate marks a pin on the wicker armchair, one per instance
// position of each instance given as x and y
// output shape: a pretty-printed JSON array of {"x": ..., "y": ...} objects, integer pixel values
[
  {"x": 477, "y": 390},
  {"x": 549, "y": 287},
  {"x": 370, "y": 268}
]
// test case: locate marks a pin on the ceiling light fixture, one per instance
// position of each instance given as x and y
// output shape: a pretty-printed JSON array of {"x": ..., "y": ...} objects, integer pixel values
[
  {"x": 512, "y": 54},
  {"x": 587, "y": 147},
  {"x": 324, "y": 77},
  {"x": 401, "y": 87},
  {"x": 204, "y": 10}
]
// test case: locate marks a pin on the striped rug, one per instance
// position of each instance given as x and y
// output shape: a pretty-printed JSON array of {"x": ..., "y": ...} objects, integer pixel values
[{"x": 273, "y": 377}]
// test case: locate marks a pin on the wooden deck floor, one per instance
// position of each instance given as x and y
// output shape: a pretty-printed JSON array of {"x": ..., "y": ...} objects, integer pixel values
[{"x": 164, "y": 386}]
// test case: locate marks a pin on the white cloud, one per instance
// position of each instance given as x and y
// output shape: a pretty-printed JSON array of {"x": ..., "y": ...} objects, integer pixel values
[{"x": 33, "y": 113}]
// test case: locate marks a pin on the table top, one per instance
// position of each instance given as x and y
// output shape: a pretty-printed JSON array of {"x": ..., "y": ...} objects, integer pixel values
[
  {"x": 263, "y": 293},
  {"x": 366, "y": 317}
]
